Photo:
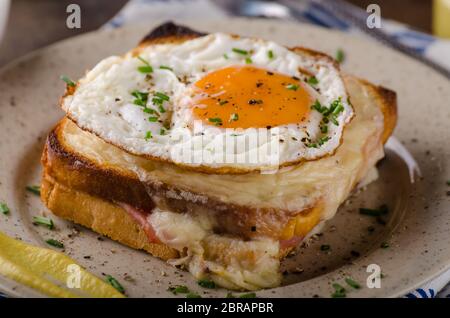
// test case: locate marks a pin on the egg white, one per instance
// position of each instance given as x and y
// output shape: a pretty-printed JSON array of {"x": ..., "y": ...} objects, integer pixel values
[{"x": 102, "y": 103}]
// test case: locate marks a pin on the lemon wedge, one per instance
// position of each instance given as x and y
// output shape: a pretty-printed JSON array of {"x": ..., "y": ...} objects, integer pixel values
[{"x": 50, "y": 272}]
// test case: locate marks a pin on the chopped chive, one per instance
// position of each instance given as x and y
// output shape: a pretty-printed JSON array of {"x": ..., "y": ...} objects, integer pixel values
[
  {"x": 334, "y": 120},
  {"x": 383, "y": 210},
  {"x": 139, "y": 102},
  {"x": 448, "y": 182},
  {"x": 292, "y": 87},
  {"x": 325, "y": 247},
  {"x": 161, "y": 109},
  {"x": 164, "y": 67},
  {"x": 143, "y": 60},
  {"x": 230, "y": 295},
  {"x": 340, "y": 56},
  {"x": 34, "y": 189},
  {"x": 384, "y": 245},
  {"x": 178, "y": 289},
  {"x": 162, "y": 96},
  {"x": 148, "y": 135},
  {"x": 270, "y": 54},
  {"x": 217, "y": 121},
  {"x": 4, "y": 208},
  {"x": 323, "y": 129},
  {"x": 317, "y": 106},
  {"x": 153, "y": 119},
  {"x": 139, "y": 95},
  {"x": 225, "y": 56},
  {"x": 206, "y": 283},
  {"x": 193, "y": 295},
  {"x": 234, "y": 117},
  {"x": 145, "y": 69},
  {"x": 239, "y": 51},
  {"x": 157, "y": 101},
  {"x": 313, "y": 81},
  {"x": 248, "y": 60},
  {"x": 352, "y": 283},
  {"x": 67, "y": 80},
  {"x": 223, "y": 102},
  {"x": 55, "y": 243},
  {"x": 162, "y": 131},
  {"x": 148, "y": 110},
  {"x": 311, "y": 145},
  {"x": 248, "y": 295},
  {"x": 43, "y": 221},
  {"x": 339, "y": 291},
  {"x": 323, "y": 140},
  {"x": 114, "y": 283}
]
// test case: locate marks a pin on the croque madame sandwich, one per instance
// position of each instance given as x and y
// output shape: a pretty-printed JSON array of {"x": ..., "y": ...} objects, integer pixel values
[{"x": 216, "y": 152}]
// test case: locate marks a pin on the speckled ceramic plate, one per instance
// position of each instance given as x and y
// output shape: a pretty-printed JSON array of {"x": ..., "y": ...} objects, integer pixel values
[{"x": 417, "y": 227}]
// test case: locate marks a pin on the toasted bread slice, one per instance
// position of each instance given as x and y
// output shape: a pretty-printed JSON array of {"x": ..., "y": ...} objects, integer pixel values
[
  {"x": 106, "y": 177},
  {"x": 100, "y": 215}
]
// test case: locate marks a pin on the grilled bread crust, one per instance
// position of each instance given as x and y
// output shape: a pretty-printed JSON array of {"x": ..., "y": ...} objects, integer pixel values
[{"x": 100, "y": 215}]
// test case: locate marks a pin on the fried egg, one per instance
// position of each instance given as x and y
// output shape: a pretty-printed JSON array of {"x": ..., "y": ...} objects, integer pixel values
[{"x": 218, "y": 101}]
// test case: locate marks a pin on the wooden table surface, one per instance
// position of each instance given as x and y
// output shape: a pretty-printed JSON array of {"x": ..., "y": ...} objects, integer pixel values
[{"x": 33, "y": 24}]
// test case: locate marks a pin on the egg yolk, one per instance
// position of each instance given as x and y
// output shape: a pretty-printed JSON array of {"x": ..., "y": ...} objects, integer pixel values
[{"x": 246, "y": 96}]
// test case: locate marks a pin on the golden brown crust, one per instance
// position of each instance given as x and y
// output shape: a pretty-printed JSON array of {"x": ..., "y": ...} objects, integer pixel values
[
  {"x": 101, "y": 216},
  {"x": 387, "y": 100}
]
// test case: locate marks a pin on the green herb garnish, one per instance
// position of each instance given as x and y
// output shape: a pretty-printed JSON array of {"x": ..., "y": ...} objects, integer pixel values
[
  {"x": 384, "y": 245},
  {"x": 313, "y": 81},
  {"x": 239, "y": 51},
  {"x": 448, "y": 182},
  {"x": 178, "y": 289},
  {"x": 216, "y": 120},
  {"x": 230, "y": 295},
  {"x": 205, "y": 283},
  {"x": 145, "y": 69},
  {"x": 225, "y": 56},
  {"x": 340, "y": 56},
  {"x": 148, "y": 110},
  {"x": 234, "y": 117},
  {"x": 382, "y": 210},
  {"x": 140, "y": 98},
  {"x": 55, "y": 243},
  {"x": 162, "y": 131},
  {"x": 148, "y": 135},
  {"x": 4, "y": 208},
  {"x": 114, "y": 283},
  {"x": 68, "y": 81},
  {"x": 193, "y": 295},
  {"x": 34, "y": 189},
  {"x": 352, "y": 283},
  {"x": 43, "y": 221},
  {"x": 325, "y": 247},
  {"x": 249, "y": 295},
  {"x": 270, "y": 54},
  {"x": 248, "y": 60},
  {"x": 292, "y": 87},
  {"x": 162, "y": 96},
  {"x": 164, "y": 67},
  {"x": 223, "y": 102},
  {"x": 339, "y": 291},
  {"x": 153, "y": 119}
]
